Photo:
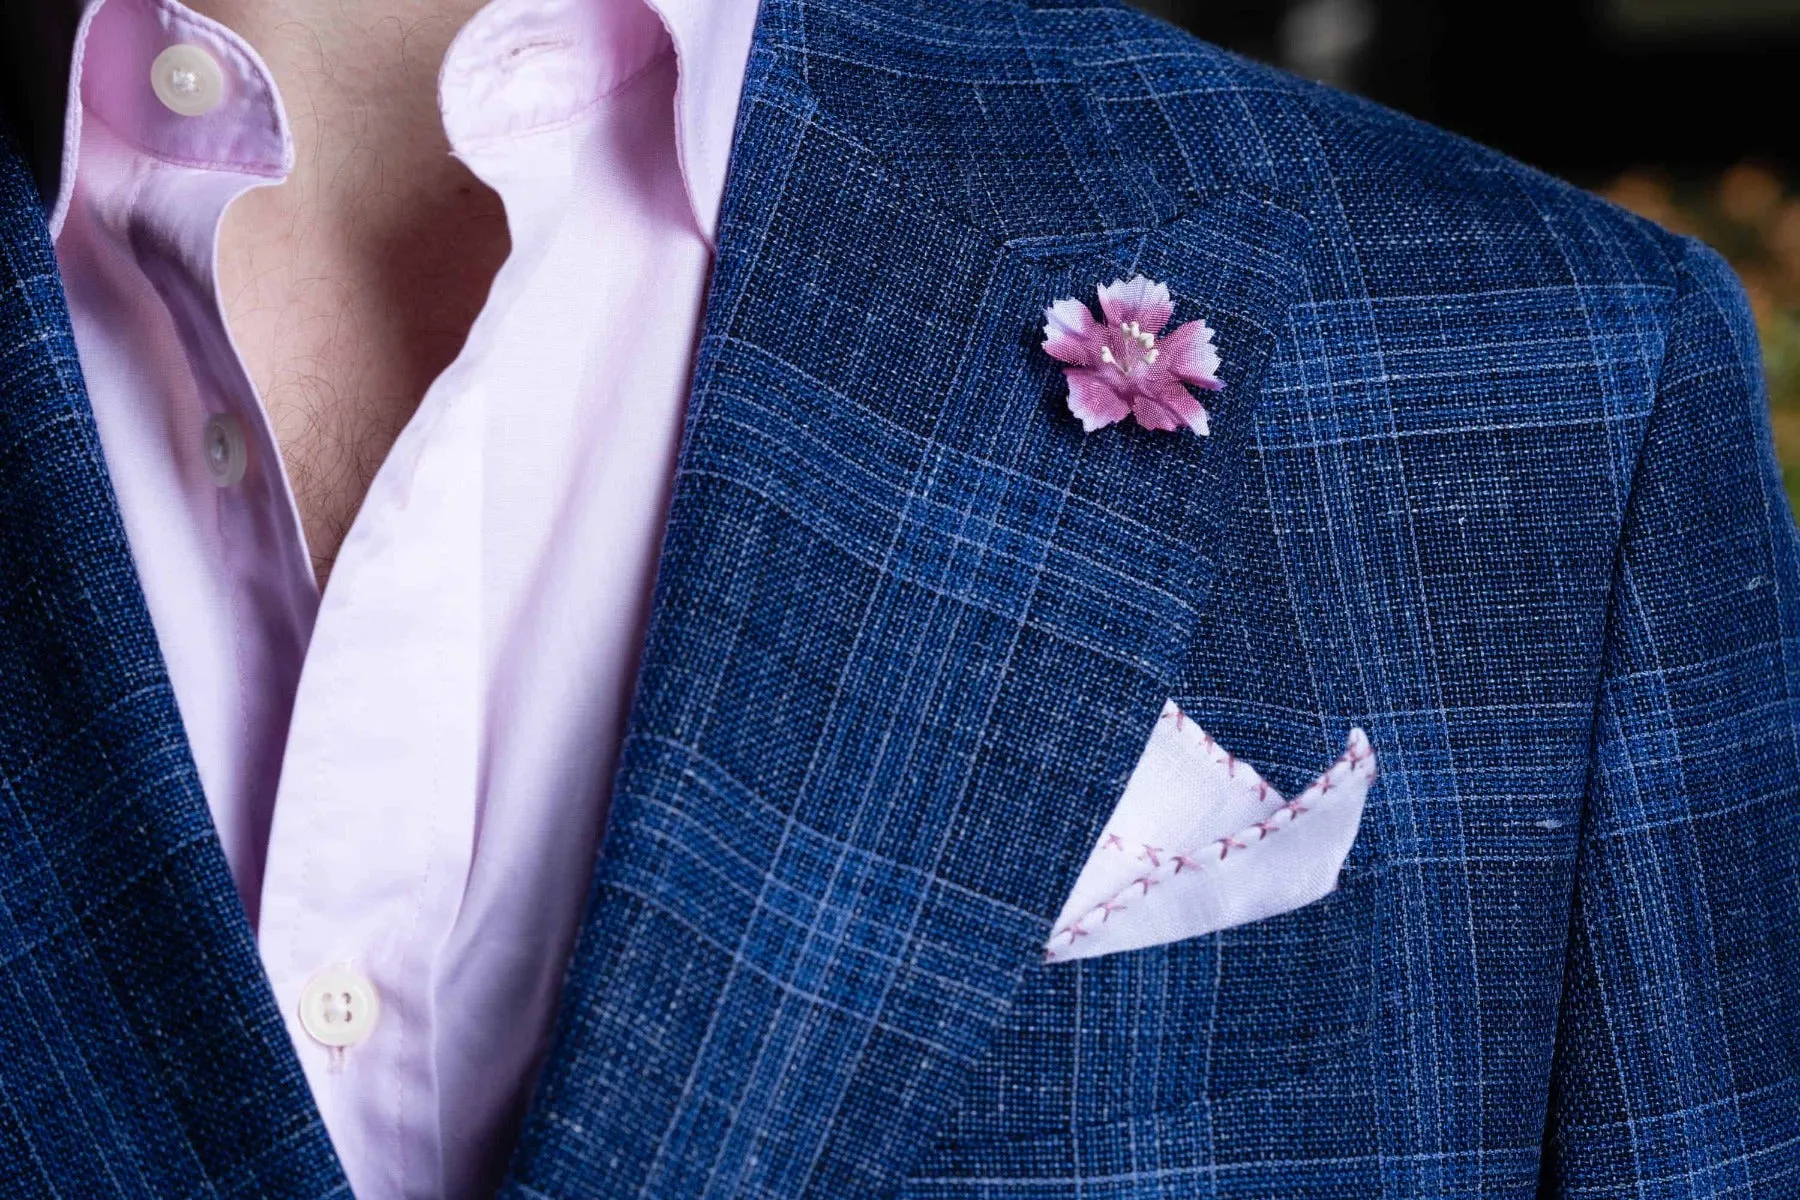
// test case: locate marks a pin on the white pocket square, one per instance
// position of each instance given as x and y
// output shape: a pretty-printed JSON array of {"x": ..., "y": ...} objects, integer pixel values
[{"x": 1200, "y": 842}]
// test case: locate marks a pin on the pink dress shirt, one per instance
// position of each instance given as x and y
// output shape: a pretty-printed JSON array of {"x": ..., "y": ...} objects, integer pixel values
[{"x": 410, "y": 775}]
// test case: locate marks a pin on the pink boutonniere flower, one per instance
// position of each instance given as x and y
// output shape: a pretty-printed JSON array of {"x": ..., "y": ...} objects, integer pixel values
[{"x": 1128, "y": 366}]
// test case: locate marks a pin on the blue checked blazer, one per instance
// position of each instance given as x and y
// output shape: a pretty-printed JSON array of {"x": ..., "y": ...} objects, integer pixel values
[{"x": 1491, "y": 478}]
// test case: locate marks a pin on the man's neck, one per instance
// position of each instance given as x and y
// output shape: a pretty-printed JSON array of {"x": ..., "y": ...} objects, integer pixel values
[
  {"x": 374, "y": 53},
  {"x": 352, "y": 286}
]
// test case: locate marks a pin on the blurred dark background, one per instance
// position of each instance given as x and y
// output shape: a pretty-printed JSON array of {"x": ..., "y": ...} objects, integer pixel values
[
  {"x": 1585, "y": 88},
  {"x": 1686, "y": 111}
]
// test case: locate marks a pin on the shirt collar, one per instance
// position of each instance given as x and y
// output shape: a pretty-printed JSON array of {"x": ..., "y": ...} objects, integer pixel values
[
  {"x": 517, "y": 65},
  {"x": 712, "y": 41}
]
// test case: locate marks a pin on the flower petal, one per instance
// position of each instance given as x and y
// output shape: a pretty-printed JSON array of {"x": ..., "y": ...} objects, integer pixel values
[
  {"x": 1168, "y": 406},
  {"x": 1189, "y": 354},
  {"x": 1093, "y": 401},
  {"x": 1137, "y": 299},
  {"x": 1071, "y": 334}
]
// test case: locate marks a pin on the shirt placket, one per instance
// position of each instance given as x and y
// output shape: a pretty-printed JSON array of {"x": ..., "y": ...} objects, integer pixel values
[{"x": 372, "y": 837}]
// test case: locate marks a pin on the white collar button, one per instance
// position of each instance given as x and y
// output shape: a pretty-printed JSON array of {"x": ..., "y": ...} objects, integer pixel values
[{"x": 187, "y": 80}]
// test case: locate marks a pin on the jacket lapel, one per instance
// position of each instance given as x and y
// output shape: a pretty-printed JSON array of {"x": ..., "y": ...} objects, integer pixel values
[
  {"x": 912, "y": 625},
  {"x": 141, "y": 1047}
]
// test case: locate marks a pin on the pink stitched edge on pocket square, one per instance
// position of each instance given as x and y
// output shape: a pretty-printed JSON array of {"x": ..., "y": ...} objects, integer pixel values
[{"x": 1220, "y": 869}]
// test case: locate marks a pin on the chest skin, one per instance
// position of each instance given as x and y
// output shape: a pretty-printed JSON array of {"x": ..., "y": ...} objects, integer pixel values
[{"x": 351, "y": 286}]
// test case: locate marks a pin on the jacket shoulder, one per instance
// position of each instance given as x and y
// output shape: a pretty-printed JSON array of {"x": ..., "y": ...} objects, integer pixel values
[
  {"x": 1053, "y": 118},
  {"x": 1198, "y": 116}
]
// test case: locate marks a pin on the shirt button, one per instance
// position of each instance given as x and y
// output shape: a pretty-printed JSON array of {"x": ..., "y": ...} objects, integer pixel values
[
  {"x": 187, "y": 80},
  {"x": 226, "y": 453},
  {"x": 338, "y": 1007}
]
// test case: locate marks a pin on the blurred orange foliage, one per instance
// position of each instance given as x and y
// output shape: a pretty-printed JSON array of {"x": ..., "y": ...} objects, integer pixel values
[{"x": 1750, "y": 214}]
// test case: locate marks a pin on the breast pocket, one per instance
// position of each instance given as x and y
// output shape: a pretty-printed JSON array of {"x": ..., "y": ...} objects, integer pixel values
[{"x": 1237, "y": 1051}]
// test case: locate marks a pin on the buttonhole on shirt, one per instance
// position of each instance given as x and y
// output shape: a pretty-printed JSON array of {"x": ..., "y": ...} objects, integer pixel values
[{"x": 525, "y": 50}]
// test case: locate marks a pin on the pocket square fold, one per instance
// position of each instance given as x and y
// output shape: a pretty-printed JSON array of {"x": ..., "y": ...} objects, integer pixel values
[{"x": 1200, "y": 842}]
